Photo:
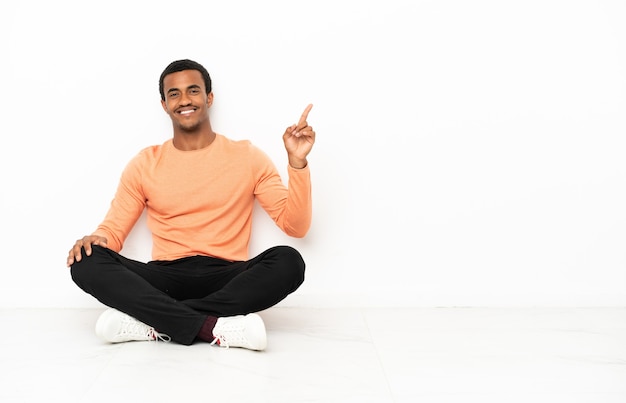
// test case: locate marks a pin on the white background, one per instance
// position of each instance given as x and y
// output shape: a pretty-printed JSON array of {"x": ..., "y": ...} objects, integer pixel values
[{"x": 469, "y": 153}]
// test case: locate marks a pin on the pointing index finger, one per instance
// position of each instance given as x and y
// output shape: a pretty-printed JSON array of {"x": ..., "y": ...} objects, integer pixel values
[{"x": 302, "y": 122}]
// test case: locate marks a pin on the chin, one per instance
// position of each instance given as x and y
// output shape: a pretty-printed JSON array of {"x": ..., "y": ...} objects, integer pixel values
[{"x": 189, "y": 128}]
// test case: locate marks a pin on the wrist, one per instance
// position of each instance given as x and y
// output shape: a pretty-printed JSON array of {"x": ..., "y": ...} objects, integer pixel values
[{"x": 297, "y": 163}]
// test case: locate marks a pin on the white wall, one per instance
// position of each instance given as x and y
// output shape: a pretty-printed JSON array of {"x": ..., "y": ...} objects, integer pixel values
[{"x": 468, "y": 152}]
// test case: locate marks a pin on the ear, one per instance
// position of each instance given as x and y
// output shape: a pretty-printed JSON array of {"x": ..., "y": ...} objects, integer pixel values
[
  {"x": 209, "y": 99},
  {"x": 164, "y": 105}
]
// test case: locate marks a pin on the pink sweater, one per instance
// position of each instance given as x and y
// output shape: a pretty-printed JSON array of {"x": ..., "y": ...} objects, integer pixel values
[{"x": 200, "y": 202}]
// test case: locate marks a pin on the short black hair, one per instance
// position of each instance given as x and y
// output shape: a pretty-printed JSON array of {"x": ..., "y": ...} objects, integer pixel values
[{"x": 185, "y": 64}]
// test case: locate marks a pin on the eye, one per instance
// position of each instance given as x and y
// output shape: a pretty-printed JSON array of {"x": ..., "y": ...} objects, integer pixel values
[
  {"x": 194, "y": 91},
  {"x": 173, "y": 94}
]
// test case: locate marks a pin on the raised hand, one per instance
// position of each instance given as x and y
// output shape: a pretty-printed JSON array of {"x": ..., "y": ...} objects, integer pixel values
[{"x": 299, "y": 139}]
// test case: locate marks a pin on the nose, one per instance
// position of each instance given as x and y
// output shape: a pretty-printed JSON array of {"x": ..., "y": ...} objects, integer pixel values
[{"x": 185, "y": 99}]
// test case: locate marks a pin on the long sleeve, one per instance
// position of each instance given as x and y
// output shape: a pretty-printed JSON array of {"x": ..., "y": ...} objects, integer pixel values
[
  {"x": 290, "y": 208},
  {"x": 201, "y": 202},
  {"x": 125, "y": 209}
]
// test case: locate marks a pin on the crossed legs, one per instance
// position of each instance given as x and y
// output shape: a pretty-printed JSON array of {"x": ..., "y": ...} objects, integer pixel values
[{"x": 176, "y": 297}]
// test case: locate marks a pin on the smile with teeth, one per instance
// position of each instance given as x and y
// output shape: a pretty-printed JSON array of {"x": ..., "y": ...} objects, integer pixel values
[{"x": 187, "y": 112}]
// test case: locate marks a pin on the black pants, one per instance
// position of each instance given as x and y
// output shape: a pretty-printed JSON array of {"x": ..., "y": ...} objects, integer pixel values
[{"x": 175, "y": 297}]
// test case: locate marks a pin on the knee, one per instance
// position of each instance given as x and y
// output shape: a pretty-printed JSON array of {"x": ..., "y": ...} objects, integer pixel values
[
  {"x": 292, "y": 262},
  {"x": 81, "y": 275},
  {"x": 85, "y": 271}
]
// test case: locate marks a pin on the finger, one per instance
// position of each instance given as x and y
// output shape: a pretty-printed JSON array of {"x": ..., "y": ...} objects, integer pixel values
[
  {"x": 70, "y": 259},
  {"x": 75, "y": 254},
  {"x": 289, "y": 131},
  {"x": 87, "y": 247},
  {"x": 306, "y": 133},
  {"x": 302, "y": 122}
]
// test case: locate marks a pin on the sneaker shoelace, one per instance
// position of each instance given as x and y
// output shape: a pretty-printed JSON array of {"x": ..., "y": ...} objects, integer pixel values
[
  {"x": 156, "y": 336},
  {"x": 135, "y": 328},
  {"x": 230, "y": 333}
]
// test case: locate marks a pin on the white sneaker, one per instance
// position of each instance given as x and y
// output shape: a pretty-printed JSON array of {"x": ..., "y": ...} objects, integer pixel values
[
  {"x": 247, "y": 331},
  {"x": 117, "y": 327}
]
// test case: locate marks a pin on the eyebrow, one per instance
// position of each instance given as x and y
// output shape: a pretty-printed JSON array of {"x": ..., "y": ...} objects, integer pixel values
[{"x": 193, "y": 86}]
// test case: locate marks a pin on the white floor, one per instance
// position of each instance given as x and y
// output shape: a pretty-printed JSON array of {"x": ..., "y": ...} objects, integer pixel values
[{"x": 329, "y": 355}]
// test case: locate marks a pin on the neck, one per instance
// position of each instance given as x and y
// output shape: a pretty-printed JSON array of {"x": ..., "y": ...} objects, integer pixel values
[{"x": 193, "y": 140}]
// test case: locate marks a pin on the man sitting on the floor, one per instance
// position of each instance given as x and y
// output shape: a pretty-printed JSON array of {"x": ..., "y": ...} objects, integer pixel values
[{"x": 199, "y": 190}]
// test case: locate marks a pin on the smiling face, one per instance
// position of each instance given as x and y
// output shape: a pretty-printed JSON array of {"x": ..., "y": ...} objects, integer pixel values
[{"x": 186, "y": 101}]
